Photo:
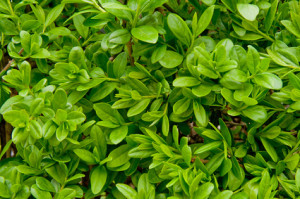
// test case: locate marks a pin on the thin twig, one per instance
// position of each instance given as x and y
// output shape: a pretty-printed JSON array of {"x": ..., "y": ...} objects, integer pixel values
[{"x": 10, "y": 63}]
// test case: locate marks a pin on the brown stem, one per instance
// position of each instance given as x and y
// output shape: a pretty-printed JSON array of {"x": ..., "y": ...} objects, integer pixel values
[
  {"x": 236, "y": 124},
  {"x": 202, "y": 160},
  {"x": 10, "y": 63},
  {"x": 129, "y": 47},
  {"x": 8, "y": 130}
]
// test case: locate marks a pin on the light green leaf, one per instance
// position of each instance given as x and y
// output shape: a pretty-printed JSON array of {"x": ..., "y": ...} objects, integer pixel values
[
  {"x": 158, "y": 53},
  {"x": 186, "y": 82},
  {"x": 126, "y": 190},
  {"x": 98, "y": 179},
  {"x": 118, "y": 134},
  {"x": 40, "y": 194},
  {"x": 138, "y": 108},
  {"x": 145, "y": 33},
  {"x": 179, "y": 29},
  {"x": 200, "y": 113},
  {"x": 208, "y": 147},
  {"x": 268, "y": 80},
  {"x": 248, "y": 11},
  {"x": 204, "y": 20},
  {"x": 53, "y": 14},
  {"x": 256, "y": 113},
  {"x": 44, "y": 184},
  {"x": 270, "y": 149},
  {"x": 120, "y": 64},
  {"x": 85, "y": 155},
  {"x": 81, "y": 29},
  {"x": 171, "y": 59}
]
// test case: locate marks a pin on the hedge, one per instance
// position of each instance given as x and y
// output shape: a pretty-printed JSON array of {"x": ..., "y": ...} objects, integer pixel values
[{"x": 150, "y": 99}]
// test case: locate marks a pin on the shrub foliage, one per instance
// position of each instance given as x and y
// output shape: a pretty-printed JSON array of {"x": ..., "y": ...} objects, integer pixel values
[{"x": 150, "y": 99}]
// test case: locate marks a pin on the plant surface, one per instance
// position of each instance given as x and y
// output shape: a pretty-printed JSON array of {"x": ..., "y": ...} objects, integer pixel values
[{"x": 150, "y": 99}]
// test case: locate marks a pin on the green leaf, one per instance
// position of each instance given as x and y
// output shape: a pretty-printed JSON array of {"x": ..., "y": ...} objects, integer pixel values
[
  {"x": 186, "y": 152},
  {"x": 294, "y": 80},
  {"x": 224, "y": 194},
  {"x": 8, "y": 27},
  {"x": 248, "y": 36},
  {"x": 268, "y": 80},
  {"x": 180, "y": 29},
  {"x": 62, "y": 132},
  {"x": 271, "y": 133},
  {"x": 252, "y": 59},
  {"x": 59, "y": 31},
  {"x": 120, "y": 64},
  {"x": 138, "y": 108},
  {"x": 268, "y": 21},
  {"x": 4, "y": 191},
  {"x": 118, "y": 134},
  {"x": 239, "y": 30},
  {"x": 5, "y": 148},
  {"x": 16, "y": 118},
  {"x": 230, "y": 4},
  {"x": 103, "y": 90},
  {"x": 283, "y": 57},
  {"x": 158, "y": 53},
  {"x": 204, "y": 190},
  {"x": 25, "y": 41},
  {"x": 215, "y": 162},
  {"x": 85, "y": 155},
  {"x": 98, "y": 179},
  {"x": 248, "y": 11},
  {"x": 256, "y": 113},
  {"x": 181, "y": 106},
  {"x": 39, "y": 194},
  {"x": 183, "y": 183},
  {"x": 226, "y": 166},
  {"x": 228, "y": 95},
  {"x": 186, "y": 82},
  {"x": 291, "y": 27},
  {"x": 165, "y": 125},
  {"x": 270, "y": 149},
  {"x": 118, "y": 9},
  {"x": 44, "y": 184},
  {"x": 297, "y": 179},
  {"x": 66, "y": 193},
  {"x": 59, "y": 99},
  {"x": 206, "y": 71},
  {"x": 126, "y": 190},
  {"x": 53, "y": 14},
  {"x": 119, "y": 156},
  {"x": 145, "y": 33},
  {"x": 81, "y": 29},
  {"x": 264, "y": 184},
  {"x": 208, "y": 147},
  {"x": 105, "y": 112},
  {"x": 36, "y": 129},
  {"x": 76, "y": 117},
  {"x": 225, "y": 132},
  {"x": 121, "y": 36},
  {"x": 201, "y": 90},
  {"x": 204, "y": 20},
  {"x": 171, "y": 59},
  {"x": 200, "y": 113},
  {"x": 100, "y": 141}
]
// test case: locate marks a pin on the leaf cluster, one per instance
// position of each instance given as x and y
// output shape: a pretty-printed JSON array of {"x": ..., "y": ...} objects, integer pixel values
[{"x": 150, "y": 99}]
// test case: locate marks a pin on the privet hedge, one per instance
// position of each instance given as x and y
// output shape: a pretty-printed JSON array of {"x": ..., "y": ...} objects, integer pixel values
[{"x": 150, "y": 99}]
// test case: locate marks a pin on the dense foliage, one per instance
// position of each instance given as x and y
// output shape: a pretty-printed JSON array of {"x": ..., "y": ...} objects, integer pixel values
[{"x": 150, "y": 99}]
